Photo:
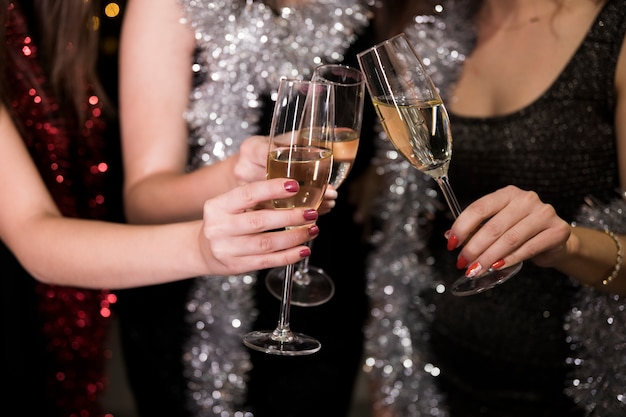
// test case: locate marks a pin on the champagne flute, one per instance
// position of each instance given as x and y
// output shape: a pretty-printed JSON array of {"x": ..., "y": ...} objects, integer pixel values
[
  {"x": 300, "y": 148},
  {"x": 312, "y": 286},
  {"x": 416, "y": 121}
]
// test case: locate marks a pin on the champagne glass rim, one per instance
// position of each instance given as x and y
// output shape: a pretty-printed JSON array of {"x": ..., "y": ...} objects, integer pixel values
[
  {"x": 307, "y": 83},
  {"x": 360, "y": 78},
  {"x": 400, "y": 35},
  {"x": 293, "y": 81}
]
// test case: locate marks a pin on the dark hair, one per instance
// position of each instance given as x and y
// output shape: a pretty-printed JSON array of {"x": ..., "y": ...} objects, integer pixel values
[{"x": 67, "y": 32}]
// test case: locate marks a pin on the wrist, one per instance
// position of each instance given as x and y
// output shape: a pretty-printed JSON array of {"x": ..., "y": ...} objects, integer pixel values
[
  {"x": 595, "y": 256},
  {"x": 619, "y": 258}
]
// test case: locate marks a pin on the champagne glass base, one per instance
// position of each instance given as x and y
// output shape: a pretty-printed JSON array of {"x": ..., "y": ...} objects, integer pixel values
[
  {"x": 308, "y": 290},
  {"x": 289, "y": 344},
  {"x": 469, "y": 286}
]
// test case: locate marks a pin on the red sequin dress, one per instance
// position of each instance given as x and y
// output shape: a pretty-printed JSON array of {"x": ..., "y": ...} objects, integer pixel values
[{"x": 54, "y": 336}]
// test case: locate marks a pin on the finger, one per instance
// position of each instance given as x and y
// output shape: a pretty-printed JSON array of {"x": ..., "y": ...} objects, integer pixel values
[
  {"x": 274, "y": 259},
  {"x": 331, "y": 193},
  {"x": 476, "y": 215},
  {"x": 252, "y": 160},
  {"x": 270, "y": 219},
  {"x": 485, "y": 220},
  {"x": 247, "y": 196},
  {"x": 539, "y": 232},
  {"x": 326, "y": 206},
  {"x": 494, "y": 247},
  {"x": 265, "y": 243},
  {"x": 330, "y": 200},
  {"x": 254, "y": 150},
  {"x": 266, "y": 250}
]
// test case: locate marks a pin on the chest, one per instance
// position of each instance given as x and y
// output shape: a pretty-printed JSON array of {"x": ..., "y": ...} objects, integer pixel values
[{"x": 511, "y": 67}]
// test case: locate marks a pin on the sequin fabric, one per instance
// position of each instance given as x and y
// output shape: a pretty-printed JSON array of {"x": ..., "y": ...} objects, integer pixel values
[
  {"x": 70, "y": 160},
  {"x": 243, "y": 49},
  {"x": 435, "y": 354},
  {"x": 596, "y": 328}
]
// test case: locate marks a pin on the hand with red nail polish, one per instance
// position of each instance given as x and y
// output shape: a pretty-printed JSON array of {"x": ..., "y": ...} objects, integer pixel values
[
  {"x": 243, "y": 239},
  {"x": 461, "y": 262},
  {"x": 495, "y": 230},
  {"x": 474, "y": 270},
  {"x": 250, "y": 162}
]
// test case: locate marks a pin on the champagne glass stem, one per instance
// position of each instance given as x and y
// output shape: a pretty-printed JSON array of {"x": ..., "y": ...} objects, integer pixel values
[
  {"x": 444, "y": 184},
  {"x": 283, "y": 331},
  {"x": 303, "y": 265},
  {"x": 310, "y": 285},
  {"x": 281, "y": 340}
]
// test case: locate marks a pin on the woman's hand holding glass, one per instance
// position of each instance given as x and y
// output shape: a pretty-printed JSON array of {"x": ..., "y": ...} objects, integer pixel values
[
  {"x": 301, "y": 148},
  {"x": 238, "y": 238},
  {"x": 251, "y": 165},
  {"x": 416, "y": 121},
  {"x": 506, "y": 227},
  {"x": 251, "y": 160},
  {"x": 312, "y": 286}
]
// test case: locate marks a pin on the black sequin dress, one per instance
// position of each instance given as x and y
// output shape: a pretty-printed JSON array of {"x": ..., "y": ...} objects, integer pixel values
[{"x": 505, "y": 352}]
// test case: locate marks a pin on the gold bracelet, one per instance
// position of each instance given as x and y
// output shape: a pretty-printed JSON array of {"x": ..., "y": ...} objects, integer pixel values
[{"x": 618, "y": 261}]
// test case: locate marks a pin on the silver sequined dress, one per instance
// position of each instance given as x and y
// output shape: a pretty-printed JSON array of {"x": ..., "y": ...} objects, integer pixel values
[
  {"x": 514, "y": 350},
  {"x": 243, "y": 49}
]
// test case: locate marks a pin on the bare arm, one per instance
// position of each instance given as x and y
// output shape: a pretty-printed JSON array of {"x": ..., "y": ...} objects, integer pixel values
[
  {"x": 155, "y": 82},
  {"x": 94, "y": 254}
]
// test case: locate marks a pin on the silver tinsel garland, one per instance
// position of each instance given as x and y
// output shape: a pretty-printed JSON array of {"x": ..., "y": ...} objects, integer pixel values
[
  {"x": 243, "y": 49},
  {"x": 400, "y": 266},
  {"x": 596, "y": 330}
]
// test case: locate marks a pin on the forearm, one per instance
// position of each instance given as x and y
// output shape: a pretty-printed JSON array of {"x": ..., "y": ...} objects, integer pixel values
[
  {"x": 591, "y": 259},
  {"x": 93, "y": 254},
  {"x": 167, "y": 197}
]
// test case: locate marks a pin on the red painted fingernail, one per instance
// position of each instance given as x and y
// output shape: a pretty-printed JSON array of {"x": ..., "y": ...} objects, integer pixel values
[
  {"x": 313, "y": 230},
  {"x": 292, "y": 185},
  {"x": 473, "y": 270},
  {"x": 305, "y": 252},
  {"x": 310, "y": 214},
  {"x": 498, "y": 264},
  {"x": 461, "y": 262},
  {"x": 453, "y": 242}
]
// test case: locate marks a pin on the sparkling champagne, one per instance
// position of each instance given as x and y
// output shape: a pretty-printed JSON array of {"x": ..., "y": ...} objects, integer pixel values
[
  {"x": 309, "y": 165},
  {"x": 345, "y": 148},
  {"x": 420, "y": 131}
]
